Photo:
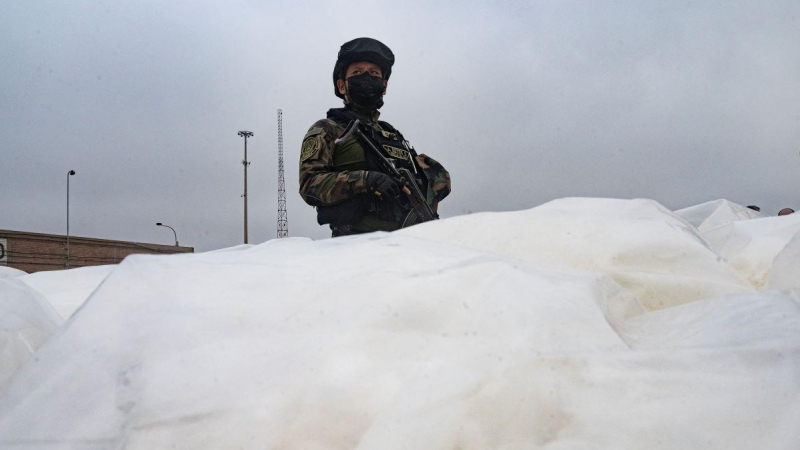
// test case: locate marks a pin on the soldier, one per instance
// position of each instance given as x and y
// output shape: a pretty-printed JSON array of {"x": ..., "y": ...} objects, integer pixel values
[{"x": 345, "y": 181}]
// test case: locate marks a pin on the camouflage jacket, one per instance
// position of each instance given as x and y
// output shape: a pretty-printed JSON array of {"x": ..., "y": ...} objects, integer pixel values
[{"x": 332, "y": 174}]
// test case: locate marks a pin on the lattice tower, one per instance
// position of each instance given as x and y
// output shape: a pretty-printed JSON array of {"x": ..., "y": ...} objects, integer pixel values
[{"x": 283, "y": 221}]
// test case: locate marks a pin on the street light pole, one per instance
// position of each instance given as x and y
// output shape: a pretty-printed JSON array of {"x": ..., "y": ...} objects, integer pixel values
[
  {"x": 69, "y": 174},
  {"x": 245, "y": 163},
  {"x": 173, "y": 231}
]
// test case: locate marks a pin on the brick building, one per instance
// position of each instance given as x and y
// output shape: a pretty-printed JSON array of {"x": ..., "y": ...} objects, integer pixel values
[{"x": 34, "y": 252}]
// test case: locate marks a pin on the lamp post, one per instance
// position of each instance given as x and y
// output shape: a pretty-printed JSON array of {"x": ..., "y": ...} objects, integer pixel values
[
  {"x": 173, "y": 231},
  {"x": 245, "y": 163},
  {"x": 69, "y": 174}
]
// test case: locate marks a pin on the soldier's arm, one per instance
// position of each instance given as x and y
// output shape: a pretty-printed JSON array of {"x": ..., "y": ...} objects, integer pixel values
[
  {"x": 320, "y": 184},
  {"x": 438, "y": 176}
]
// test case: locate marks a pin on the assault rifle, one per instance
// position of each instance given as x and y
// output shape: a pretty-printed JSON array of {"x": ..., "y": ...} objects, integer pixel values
[{"x": 419, "y": 211}]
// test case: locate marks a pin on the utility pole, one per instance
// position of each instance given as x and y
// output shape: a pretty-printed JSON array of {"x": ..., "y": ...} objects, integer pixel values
[
  {"x": 283, "y": 221},
  {"x": 245, "y": 163},
  {"x": 69, "y": 174}
]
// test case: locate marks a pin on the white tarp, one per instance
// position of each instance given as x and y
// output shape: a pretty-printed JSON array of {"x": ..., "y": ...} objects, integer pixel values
[
  {"x": 10, "y": 272},
  {"x": 751, "y": 246},
  {"x": 580, "y": 324},
  {"x": 785, "y": 270},
  {"x": 643, "y": 246},
  {"x": 26, "y": 321},
  {"x": 709, "y": 215},
  {"x": 66, "y": 290}
]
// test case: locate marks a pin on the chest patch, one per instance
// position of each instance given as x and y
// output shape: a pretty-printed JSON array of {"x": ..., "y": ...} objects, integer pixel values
[
  {"x": 396, "y": 152},
  {"x": 389, "y": 135}
]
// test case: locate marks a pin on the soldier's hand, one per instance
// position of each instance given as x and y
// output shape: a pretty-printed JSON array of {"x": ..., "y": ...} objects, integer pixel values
[{"x": 382, "y": 185}]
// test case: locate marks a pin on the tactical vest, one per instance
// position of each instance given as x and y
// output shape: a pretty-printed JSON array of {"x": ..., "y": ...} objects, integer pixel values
[{"x": 366, "y": 212}]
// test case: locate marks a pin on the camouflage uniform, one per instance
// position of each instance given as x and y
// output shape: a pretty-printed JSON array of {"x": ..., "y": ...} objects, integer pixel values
[{"x": 333, "y": 177}]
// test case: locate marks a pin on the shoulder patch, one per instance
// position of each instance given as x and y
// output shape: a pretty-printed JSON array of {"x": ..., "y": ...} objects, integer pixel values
[
  {"x": 310, "y": 147},
  {"x": 313, "y": 132}
]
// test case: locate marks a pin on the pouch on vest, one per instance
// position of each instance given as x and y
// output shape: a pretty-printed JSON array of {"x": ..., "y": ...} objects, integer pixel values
[{"x": 345, "y": 213}]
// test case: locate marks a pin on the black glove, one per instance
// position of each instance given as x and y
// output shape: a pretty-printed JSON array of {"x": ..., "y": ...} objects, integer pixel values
[{"x": 382, "y": 185}]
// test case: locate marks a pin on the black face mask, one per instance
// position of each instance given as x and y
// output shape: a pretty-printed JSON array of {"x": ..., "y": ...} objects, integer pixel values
[{"x": 366, "y": 91}]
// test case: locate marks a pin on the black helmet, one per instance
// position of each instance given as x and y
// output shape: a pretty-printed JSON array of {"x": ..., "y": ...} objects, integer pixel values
[{"x": 362, "y": 49}]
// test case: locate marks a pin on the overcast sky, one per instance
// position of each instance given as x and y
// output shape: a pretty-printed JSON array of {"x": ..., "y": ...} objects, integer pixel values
[{"x": 523, "y": 102}]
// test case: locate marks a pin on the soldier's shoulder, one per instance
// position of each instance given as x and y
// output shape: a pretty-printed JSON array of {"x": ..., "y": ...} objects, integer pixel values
[
  {"x": 319, "y": 139},
  {"x": 323, "y": 127},
  {"x": 387, "y": 126}
]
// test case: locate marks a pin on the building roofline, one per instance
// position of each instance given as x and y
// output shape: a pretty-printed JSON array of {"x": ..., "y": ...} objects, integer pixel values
[{"x": 94, "y": 241}]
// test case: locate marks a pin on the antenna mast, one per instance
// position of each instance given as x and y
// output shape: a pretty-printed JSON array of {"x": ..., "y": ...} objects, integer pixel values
[{"x": 283, "y": 221}]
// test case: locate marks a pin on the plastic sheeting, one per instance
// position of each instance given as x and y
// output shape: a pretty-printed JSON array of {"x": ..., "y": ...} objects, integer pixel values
[
  {"x": 580, "y": 324},
  {"x": 66, "y": 290},
  {"x": 26, "y": 322},
  {"x": 710, "y": 215},
  {"x": 10, "y": 272}
]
